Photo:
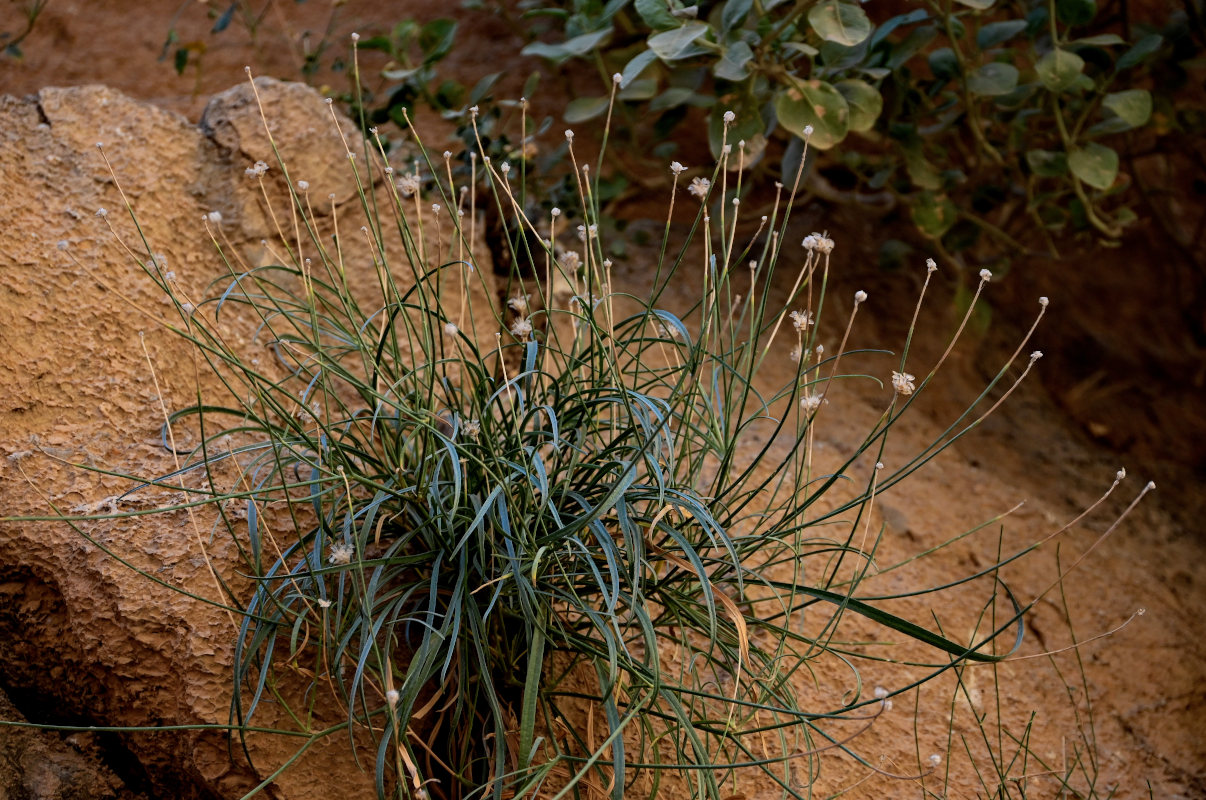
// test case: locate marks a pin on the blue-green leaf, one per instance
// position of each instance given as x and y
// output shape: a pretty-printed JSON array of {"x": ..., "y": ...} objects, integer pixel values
[
  {"x": 994, "y": 33},
  {"x": 735, "y": 64},
  {"x": 1139, "y": 53},
  {"x": 865, "y": 103},
  {"x": 656, "y": 14},
  {"x": 838, "y": 22},
  {"x": 1059, "y": 69},
  {"x": 814, "y": 103},
  {"x": 1095, "y": 164},
  {"x": 993, "y": 80},
  {"x": 636, "y": 66},
  {"x": 577, "y": 46},
  {"x": 676, "y": 44},
  {"x": 583, "y": 108}
]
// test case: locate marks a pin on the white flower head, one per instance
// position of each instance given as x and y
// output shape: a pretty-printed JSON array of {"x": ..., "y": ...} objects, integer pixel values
[
  {"x": 676, "y": 167},
  {"x": 522, "y": 328},
  {"x": 323, "y": 603},
  {"x": 63, "y": 245},
  {"x": 519, "y": 303},
  {"x": 471, "y": 427},
  {"x": 931, "y": 265},
  {"x": 810, "y": 242},
  {"x": 303, "y": 186},
  {"x": 617, "y": 78},
  {"x": 800, "y": 320},
  {"x": 570, "y": 260},
  {"x": 810, "y": 402},
  {"x": 934, "y": 760},
  {"x": 505, "y": 167},
  {"x": 450, "y": 330},
  {"x": 408, "y": 185},
  {"x": 860, "y": 297},
  {"x": 1035, "y": 356},
  {"x": 699, "y": 187},
  {"x": 729, "y": 118},
  {"x": 808, "y": 130},
  {"x": 556, "y": 212},
  {"x": 256, "y": 170},
  {"x": 355, "y": 37},
  {"x": 728, "y": 148},
  {"x": 435, "y": 207},
  {"x": 1043, "y": 301},
  {"x": 215, "y": 217},
  {"x": 569, "y": 135},
  {"x": 341, "y": 553},
  {"x": 796, "y": 354},
  {"x": 902, "y": 383},
  {"x": 880, "y": 693},
  {"x": 392, "y": 697},
  {"x": 985, "y": 275},
  {"x": 102, "y": 212}
]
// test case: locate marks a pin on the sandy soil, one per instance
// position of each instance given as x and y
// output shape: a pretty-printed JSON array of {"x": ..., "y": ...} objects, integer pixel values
[{"x": 1056, "y": 444}]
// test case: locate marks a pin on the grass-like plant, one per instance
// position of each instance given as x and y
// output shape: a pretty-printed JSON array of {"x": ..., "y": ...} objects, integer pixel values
[{"x": 570, "y": 545}]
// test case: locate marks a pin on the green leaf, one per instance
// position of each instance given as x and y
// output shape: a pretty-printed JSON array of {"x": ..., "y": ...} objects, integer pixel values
[
  {"x": 640, "y": 89},
  {"x": 865, "y": 102},
  {"x": 994, "y": 33},
  {"x": 577, "y": 46},
  {"x": 675, "y": 96},
  {"x": 914, "y": 43},
  {"x": 1059, "y": 69},
  {"x": 993, "y": 80},
  {"x": 1075, "y": 12},
  {"x": 224, "y": 21},
  {"x": 748, "y": 127},
  {"x": 1133, "y": 106},
  {"x": 1095, "y": 164},
  {"x": 922, "y": 173},
  {"x": 1139, "y": 53},
  {"x": 676, "y": 44},
  {"x": 656, "y": 14},
  {"x": 1101, "y": 40},
  {"x": 943, "y": 63},
  {"x": 881, "y": 33},
  {"x": 583, "y": 108},
  {"x": 734, "y": 13},
  {"x": 181, "y": 60},
  {"x": 735, "y": 64},
  {"x": 436, "y": 39},
  {"x": 636, "y": 66},
  {"x": 814, "y": 103},
  {"x": 934, "y": 214},
  {"x": 979, "y": 5},
  {"x": 840, "y": 23},
  {"x": 1047, "y": 163}
]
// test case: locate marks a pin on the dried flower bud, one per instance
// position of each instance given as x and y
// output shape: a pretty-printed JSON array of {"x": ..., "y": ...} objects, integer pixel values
[
  {"x": 699, "y": 187},
  {"x": 303, "y": 186},
  {"x": 617, "y": 78},
  {"x": 860, "y": 296},
  {"x": 808, "y": 130},
  {"x": 676, "y": 167},
  {"x": 729, "y": 118},
  {"x": 985, "y": 275},
  {"x": 930, "y": 265}
]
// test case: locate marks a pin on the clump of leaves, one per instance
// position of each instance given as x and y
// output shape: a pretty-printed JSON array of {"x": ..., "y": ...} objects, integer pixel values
[
  {"x": 587, "y": 553},
  {"x": 989, "y": 114}
]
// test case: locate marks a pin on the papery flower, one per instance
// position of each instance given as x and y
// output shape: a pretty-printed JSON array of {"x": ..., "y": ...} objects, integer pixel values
[
  {"x": 677, "y": 168},
  {"x": 729, "y": 117},
  {"x": 408, "y": 185},
  {"x": 810, "y": 402},
  {"x": 570, "y": 260},
  {"x": 699, "y": 187},
  {"x": 902, "y": 383},
  {"x": 341, "y": 553},
  {"x": 522, "y": 328},
  {"x": 471, "y": 427},
  {"x": 519, "y": 303},
  {"x": 450, "y": 330},
  {"x": 800, "y": 320}
]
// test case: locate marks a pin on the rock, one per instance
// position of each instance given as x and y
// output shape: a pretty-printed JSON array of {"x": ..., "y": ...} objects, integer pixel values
[{"x": 108, "y": 644}]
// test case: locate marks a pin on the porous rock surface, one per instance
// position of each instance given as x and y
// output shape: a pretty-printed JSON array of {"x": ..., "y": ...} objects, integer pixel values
[{"x": 99, "y": 641}]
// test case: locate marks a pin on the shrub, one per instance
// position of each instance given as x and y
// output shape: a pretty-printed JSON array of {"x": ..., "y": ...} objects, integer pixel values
[{"x": 573, "y": 543}]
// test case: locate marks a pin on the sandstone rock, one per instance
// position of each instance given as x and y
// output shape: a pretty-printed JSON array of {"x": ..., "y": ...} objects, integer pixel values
[{"x": 77, "y": 393}]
